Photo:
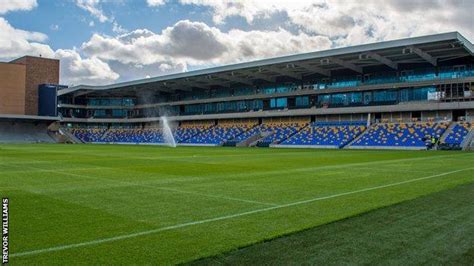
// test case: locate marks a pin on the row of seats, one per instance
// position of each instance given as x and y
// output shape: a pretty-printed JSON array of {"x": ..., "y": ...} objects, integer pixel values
[
  {"x": 249, "y": 133},
  {"x": 336, "y": 134},
  {"x": 219, "y": 134},
  {"x": 401, "y": 134},
  {"x": 133, "y": 135},
  {"x": 278, "y": 132},
  {"x": 193, "y": 134},
  {"x": 458, "y": 133},
  {"x": 88, "y": 134},
  {"x": 181, "y": 134}
]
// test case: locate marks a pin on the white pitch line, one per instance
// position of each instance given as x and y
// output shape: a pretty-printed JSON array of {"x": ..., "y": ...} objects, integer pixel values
[
  {"x": 177, "y": 226},
  {"x": 207, "y": 195},
  {"x": 341, "y": 166},
  {"x": 323, "y": 167},
  {"x": 159, "y": 188},
  {"x": 407, "y": 171},
  {"x": 190, "y": 156},
  {"x": 305, "y": 169}
]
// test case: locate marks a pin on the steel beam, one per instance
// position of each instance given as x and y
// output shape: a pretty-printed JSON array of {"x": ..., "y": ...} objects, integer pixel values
[
  {"x": 313, "y": 68},
  {"x": 345, "y": 64},
  {"x": 382, "y": 59},
  {"x": 257, "y": 74},
  {"x": 427, "y": 57}
]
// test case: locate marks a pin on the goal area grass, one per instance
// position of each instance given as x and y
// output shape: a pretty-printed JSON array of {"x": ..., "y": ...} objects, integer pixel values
[{"x": 77, "y": 204}]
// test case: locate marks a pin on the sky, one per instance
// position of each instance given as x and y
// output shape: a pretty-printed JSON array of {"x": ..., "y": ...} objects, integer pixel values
[{"x": 108, "y": 41}]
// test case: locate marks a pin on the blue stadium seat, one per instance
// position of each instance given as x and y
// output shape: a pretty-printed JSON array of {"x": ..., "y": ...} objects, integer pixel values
[
  {"x": 458, "y": 133},
  {"x": 184, "y": 133},
  {"x": 400, "y": 134},
  {"x": 134, "y": 135},
  {"x": 278, "y": 132},
  {"x": 336, "y": 134},
  {"x": 219, "y": 134},
  {"x": 249, "y": 133},
  {"x": 88, "y": 134}
]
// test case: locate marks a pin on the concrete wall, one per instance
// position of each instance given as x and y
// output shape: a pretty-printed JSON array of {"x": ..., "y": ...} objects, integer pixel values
[
  {"x": 38, "y": 71},
  {"x": 12, "y": 88}
]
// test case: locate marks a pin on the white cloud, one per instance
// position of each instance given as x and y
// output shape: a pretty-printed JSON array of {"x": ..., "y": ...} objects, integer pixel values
[
  {"x": 15, "y": 43},
  {"x": 117, "y": 28},
  {"x": 92, "y": 6},
  {"x": 77, "y": 70},
  {"x": 16, "y": 5},
  {"x": 248, "y": 9},
  {"x": 156, "y": 2},
  {"x": 293, "y": 26},
  {"x": 197, "y": 44},
  {"x": 354, "y": 22}
]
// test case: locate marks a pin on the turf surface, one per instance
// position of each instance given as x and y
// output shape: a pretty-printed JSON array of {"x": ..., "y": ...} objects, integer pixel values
[
  {"x": 436, "y": 229},
  {"x": 143, "y": 204}
]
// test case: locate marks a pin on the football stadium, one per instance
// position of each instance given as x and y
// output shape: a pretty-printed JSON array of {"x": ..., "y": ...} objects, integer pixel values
[{"x": 352, "y": 155}]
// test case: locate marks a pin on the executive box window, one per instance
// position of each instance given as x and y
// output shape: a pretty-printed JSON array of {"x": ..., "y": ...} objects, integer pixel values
[
  {"x": 279, "y": 103},
  {"x": 99, "y": 113},
  {"x": 302, "y": 101},
  {"x": 385, "y": 96},
  {"x": 418, "y": 94}
]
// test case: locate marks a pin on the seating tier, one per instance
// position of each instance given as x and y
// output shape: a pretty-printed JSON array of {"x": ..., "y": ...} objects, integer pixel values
[{"x": 401, "y": 134}]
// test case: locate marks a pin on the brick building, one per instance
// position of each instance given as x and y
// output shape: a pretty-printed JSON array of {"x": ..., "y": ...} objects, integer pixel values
[{"x": 19, "y": 81}]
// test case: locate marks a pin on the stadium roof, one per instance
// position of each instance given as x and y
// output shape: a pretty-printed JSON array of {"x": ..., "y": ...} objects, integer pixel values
[{"x": 431, "y": 49}]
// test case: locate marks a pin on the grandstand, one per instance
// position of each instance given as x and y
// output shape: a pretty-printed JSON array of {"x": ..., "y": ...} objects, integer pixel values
[
  {"x": 26, "y": 129},
  {"x": 327, "y": 134},
  {"x": 403, "y": 135},
  {"x": 134, "y": 203},
  {"x": 394, "y": 94},
  {"x": 217, "y": 135},
  {"x": 458, "y": 133}
]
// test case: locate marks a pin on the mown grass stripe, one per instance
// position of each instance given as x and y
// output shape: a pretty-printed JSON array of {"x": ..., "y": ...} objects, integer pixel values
[
  {"x": 159, "y": 188},
  {"x": 226, "y": 217}
]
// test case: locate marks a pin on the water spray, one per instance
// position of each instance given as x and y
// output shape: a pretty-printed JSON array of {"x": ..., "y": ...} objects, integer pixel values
[{"x": 167, "y": 133}]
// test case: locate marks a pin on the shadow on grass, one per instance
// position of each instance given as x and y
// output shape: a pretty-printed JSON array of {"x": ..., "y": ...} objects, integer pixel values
[{"x": 434, "y": 229}]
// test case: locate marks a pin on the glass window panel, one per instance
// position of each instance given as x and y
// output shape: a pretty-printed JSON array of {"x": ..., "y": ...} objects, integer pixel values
[
  {"x": 302, "y": 101},
  {"x": 281, "y": 102}
]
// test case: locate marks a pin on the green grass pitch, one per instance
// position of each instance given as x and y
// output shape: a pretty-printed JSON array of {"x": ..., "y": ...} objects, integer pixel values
[
  {"x": 73, "y": 204},
  {"x": 435, "y": 229}
]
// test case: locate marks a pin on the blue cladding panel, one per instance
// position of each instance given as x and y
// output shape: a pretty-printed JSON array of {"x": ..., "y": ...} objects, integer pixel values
[{"x": 47, "y": 100}]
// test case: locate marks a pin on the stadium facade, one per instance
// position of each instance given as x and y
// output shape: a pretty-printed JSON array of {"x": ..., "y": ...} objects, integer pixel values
[{"x": 408, "y": 93}]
